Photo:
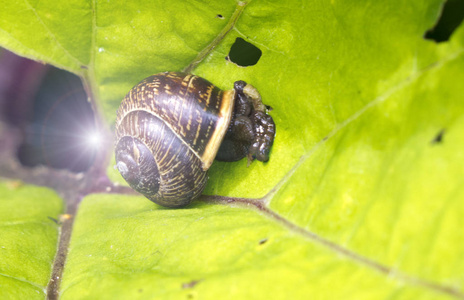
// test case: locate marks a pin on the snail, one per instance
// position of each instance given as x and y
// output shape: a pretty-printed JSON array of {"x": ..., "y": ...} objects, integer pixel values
[{"x": 171, "y": 126}]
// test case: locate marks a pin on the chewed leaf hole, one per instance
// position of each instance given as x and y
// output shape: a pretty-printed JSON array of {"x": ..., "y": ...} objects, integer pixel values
[
  {"x": 451, "y": 16},
  {"x": 439, "y": 137},
  {"x": 243, "y": 53},
  {"x": 61, "y": 131}
]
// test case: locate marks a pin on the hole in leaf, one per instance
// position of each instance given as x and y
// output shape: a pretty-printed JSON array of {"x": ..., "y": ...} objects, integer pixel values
[
  {"x": 451, "y": 16},
  {"x": 219, "y": 16},
  {"x": 263, "y": 241},
  {"x": 439, "y": 137},
  {"x": 61, "y": 132},
  {"x": 243, "y": 53}
]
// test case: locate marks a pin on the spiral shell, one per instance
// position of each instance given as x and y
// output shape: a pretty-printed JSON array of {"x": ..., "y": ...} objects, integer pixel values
[{"x": 168, "y": 130}]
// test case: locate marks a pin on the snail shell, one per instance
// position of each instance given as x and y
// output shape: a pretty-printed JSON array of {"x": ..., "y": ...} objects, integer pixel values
[
  {"x": 171, "y": 126},
  {"x": 168, "y": 130}
]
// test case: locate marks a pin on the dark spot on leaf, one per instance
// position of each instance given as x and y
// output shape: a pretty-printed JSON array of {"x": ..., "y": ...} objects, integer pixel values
[
  {"x": 190, "y": 296},
  {"x": 53, "y": 219},
  {"x": 263, "y": 241},
  {"x": 325, "y": 138},
  {"x": 243, "y": 53},
  {"x": 58, "y": 130},
  {"x": 190, "y": 284},
  {"x": 140, "y": 290},
  {"x": 84, "y": 67},
  {"x": 439, "y": 137},
  {"x": 451, "y": 16},
  {"x": 219, "y": 16}
]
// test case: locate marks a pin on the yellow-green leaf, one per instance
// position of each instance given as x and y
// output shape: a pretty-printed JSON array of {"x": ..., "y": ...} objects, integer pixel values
[{"x": 362, "y": 196}]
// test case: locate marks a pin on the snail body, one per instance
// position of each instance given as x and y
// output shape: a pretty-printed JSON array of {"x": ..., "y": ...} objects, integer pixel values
[{"x": 171, "y": 126}]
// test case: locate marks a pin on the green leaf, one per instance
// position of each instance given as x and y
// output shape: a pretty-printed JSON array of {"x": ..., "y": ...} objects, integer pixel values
[
  {"x": 362, "y": 196},
  {"x": 28, "y": 239},
  {"x": 35, "y": 29},
  {"x": 125, "y": 248}
]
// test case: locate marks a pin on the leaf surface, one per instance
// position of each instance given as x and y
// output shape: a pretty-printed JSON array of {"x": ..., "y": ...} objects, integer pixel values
[
  {"x": 28, "y": 239},
  {"x": 123, "y": 247},
  {"x": 363, "y": 192}
]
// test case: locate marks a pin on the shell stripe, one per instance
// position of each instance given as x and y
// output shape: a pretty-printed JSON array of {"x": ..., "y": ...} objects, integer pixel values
[
  {"x": 183, "y": 91},
  {"x": 224, "y": 118},
  {"x": 196, "y": 111},
  {"x": 132, "y": 131},
  {"x": 165, "y": 123},
  {"x": 173, "y": 181},
  {"x": 209, "y": 91},
  {"x": 188, "y": 79}
]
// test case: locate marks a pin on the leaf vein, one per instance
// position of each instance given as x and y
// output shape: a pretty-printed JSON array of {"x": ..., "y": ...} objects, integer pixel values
[
  {"x": 390, "y": 272},
  {"x": 381, "y": 98},
  {"x": 50, "y": 33},
  {"x": 211, "y": 46},
  {"x": 21, "y": 222},
  {"x": 37, "y": 55},
  {"x": 35, "y": 285},
  {"x": 257, "y": 43}
]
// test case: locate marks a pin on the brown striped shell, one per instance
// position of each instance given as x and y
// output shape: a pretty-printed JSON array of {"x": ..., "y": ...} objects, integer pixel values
[{"x": 168, "y": 130}]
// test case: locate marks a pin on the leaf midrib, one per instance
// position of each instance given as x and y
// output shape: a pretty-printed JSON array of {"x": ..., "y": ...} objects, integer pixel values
[{"x": 272, "y": 193}]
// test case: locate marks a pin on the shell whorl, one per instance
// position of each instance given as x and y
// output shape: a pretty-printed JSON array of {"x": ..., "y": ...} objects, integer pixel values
[
  {"x": 197, "y": 111},
  {"x": 178, "y": 120},
  {"x": 176, "y": 172}
]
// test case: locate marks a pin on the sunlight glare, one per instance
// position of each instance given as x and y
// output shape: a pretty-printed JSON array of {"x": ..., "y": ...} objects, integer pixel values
[{"x": 94, "y": 139}]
